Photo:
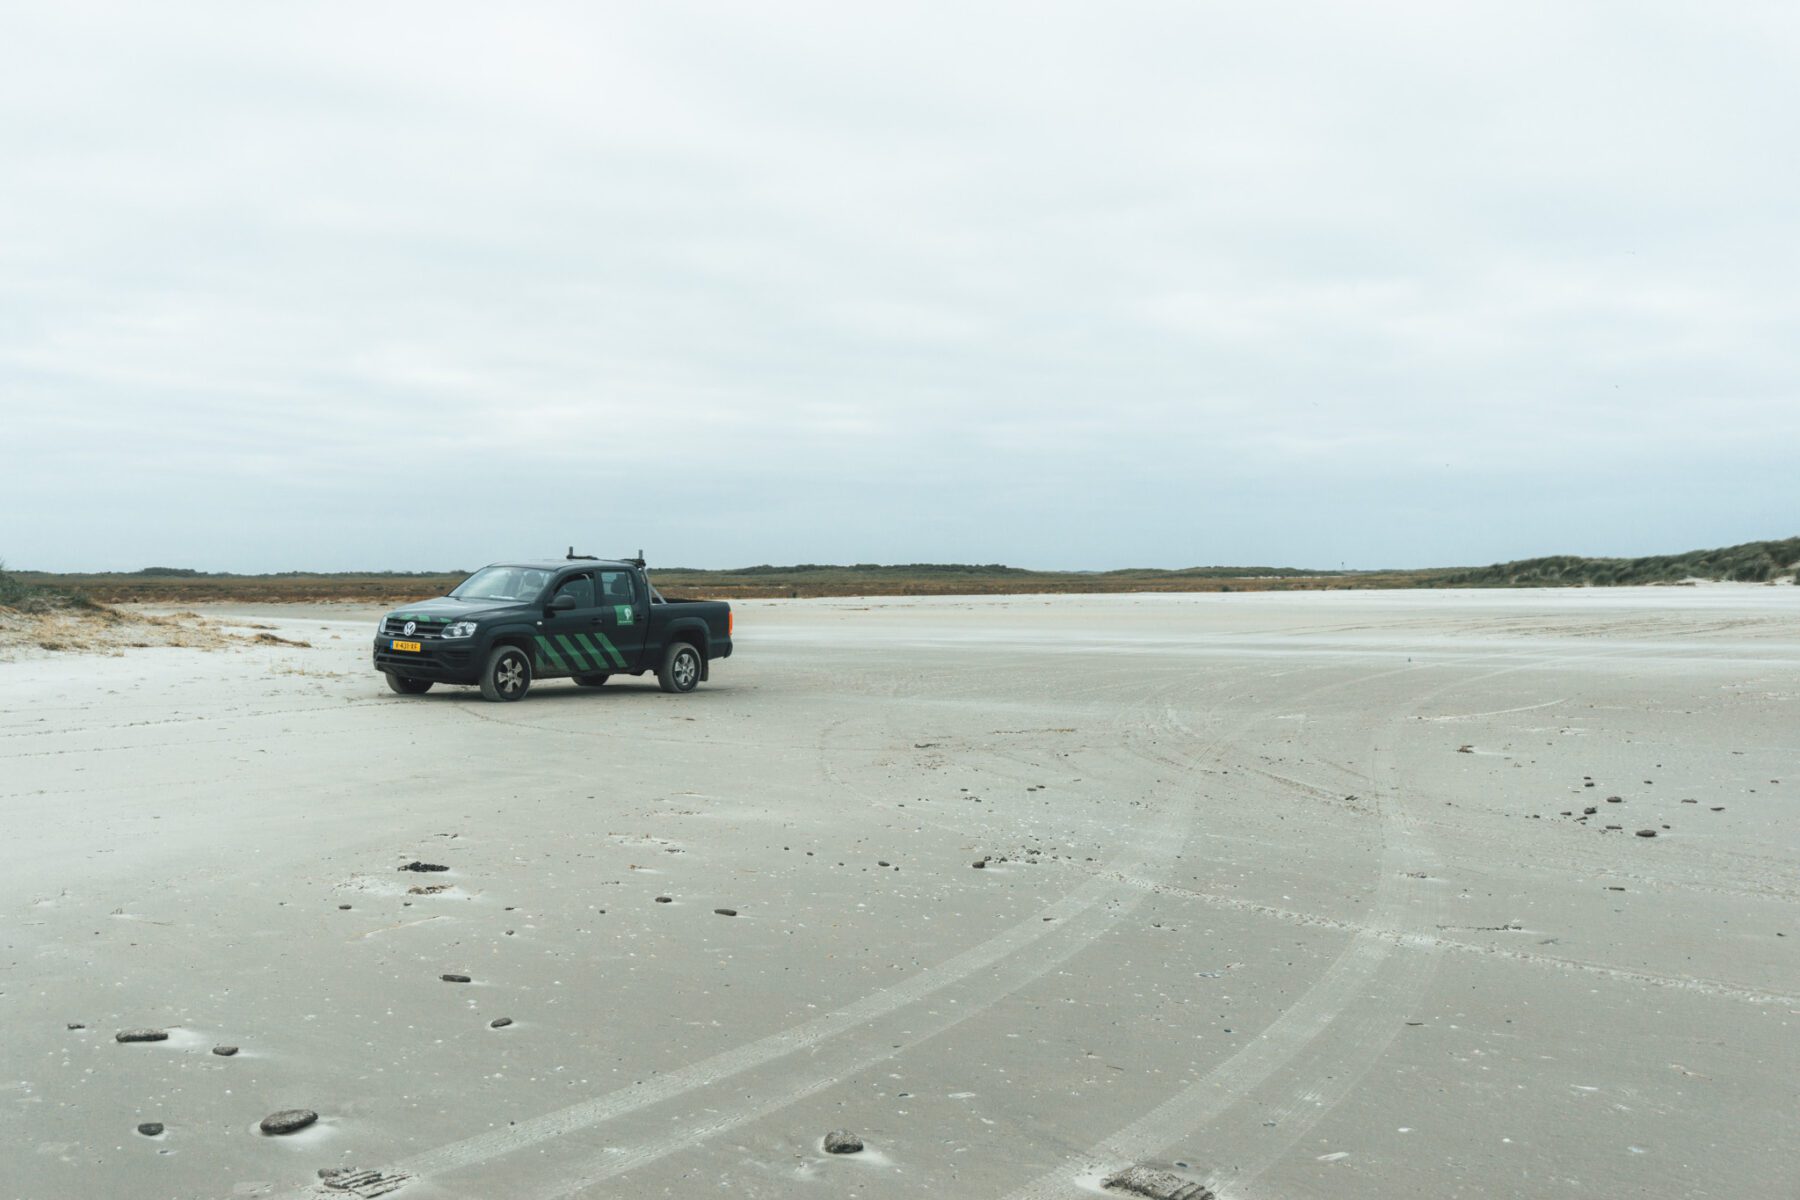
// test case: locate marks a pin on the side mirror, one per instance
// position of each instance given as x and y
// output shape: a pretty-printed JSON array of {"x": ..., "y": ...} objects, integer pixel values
[{"x": 562, "y": 603}]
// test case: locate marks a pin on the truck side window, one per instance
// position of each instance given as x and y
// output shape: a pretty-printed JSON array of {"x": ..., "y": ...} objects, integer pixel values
[
  {"x": 615, "y": 587},
  {"x": 579, "y": 586}
]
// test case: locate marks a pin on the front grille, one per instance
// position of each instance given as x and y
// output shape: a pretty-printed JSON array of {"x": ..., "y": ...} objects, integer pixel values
[{"x": 422, "y": 631}]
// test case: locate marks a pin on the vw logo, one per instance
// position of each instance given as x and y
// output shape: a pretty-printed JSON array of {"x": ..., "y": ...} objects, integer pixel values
[{"x": 409, "y": 627}]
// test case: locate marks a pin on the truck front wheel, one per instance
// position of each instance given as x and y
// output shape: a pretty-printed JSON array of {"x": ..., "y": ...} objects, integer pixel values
[
  {"x": 508, "y": 674},
  {"x": 680, "y": 668}
]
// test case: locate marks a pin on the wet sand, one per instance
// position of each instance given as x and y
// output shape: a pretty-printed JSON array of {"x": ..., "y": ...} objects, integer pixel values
[{"x": 1292, "y": 894}]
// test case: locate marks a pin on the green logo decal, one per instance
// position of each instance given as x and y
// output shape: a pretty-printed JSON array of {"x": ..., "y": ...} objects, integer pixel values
[{"x": 626, "y": 613}]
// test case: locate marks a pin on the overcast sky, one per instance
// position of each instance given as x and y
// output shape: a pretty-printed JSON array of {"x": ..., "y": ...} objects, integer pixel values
[{"x": 417, "y": 286}]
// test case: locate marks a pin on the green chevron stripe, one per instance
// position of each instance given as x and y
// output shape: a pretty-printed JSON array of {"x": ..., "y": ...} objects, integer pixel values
[
  {"x": 618, "y": 659},
  {"x": 594, "y": 651},
  {"x": 588, "y": 648},
  {"x": 550, "y": 656},
  {"x": 573, "y": 654}
]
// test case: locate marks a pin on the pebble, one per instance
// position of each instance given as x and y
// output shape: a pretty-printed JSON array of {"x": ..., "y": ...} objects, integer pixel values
[
  {"x": 224, "y": 1051},
  {"x": 1589, "y": 811},
  {"x": 665, "y": 899},
  {"x": 151, "y": 1129},
  {"x": 842, "y": 1141},
  {"x": 76, "y": 1025},
  {"x": 980, "y": 864},
  {"x": 416, "y": 865},
  {"x": 455, "y": 978},
  {"x": 343, "y": 908},
  {"x": 1646, "y": 833},
  {"x": 141, "y": 1035},
  {"x": 1615, "y": 799},
  {"x": 726, "y": 912},
  {"x": 288, "y": 1120},
  {"x": 499, "y": 1022}
]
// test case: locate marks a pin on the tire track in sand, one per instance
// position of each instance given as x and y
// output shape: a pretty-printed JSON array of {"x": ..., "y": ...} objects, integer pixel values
[
  {"x": 1056, "y": 923},
  {"x": 1169, "y": 835},
  {"x": 1356, "y": 1002},
  {"x": 822, "y": 1073}
]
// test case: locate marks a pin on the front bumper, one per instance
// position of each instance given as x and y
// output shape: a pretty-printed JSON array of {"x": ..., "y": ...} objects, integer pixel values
[{"x": 438, "y": 661}]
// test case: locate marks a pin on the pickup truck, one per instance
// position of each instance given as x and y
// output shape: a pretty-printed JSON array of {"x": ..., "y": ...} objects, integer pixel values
[{"x": 581, "y": 618}]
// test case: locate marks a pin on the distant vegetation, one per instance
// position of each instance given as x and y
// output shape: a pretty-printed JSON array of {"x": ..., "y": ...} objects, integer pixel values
[
  {"x": 1754, "y": 562},
  {"x": 36, "y": 595}
]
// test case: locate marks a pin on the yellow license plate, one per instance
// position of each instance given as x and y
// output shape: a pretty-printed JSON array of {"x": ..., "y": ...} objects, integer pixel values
[{"x": 412, "y": 646}]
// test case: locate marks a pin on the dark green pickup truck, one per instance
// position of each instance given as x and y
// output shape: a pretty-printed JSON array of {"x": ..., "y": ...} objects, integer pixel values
[{"x": 585, "y": 619}]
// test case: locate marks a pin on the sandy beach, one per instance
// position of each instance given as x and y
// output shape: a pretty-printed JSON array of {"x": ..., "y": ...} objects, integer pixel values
[{"x": 1347, "y": 895}]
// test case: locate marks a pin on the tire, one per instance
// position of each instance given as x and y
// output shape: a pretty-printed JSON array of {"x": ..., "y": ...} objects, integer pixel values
[
  {"x": 591, "y": 680},
  {"x": 507, "y": 675},
  {"x": 407, "y": 687},
  {"x": 681, "y": 667}
]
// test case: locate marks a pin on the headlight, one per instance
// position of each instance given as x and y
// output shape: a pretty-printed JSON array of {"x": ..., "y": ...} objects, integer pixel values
[{"x": 461, "y": 629}]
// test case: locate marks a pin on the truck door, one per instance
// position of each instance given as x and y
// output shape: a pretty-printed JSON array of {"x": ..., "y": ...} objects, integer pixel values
[
  {"x": 625, "y": 615},
  {"x": 573, "y": 642}
]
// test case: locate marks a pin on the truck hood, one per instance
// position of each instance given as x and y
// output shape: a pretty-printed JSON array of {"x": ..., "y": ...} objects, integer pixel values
[{"x": 444, "y": 609}]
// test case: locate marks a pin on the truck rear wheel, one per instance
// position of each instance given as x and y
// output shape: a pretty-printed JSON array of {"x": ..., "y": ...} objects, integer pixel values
[
  {"x": 591, "y": 680},
  {"x": 407, "y": 687},
  {"x": 507, "y": 675},
  {"x": 680, "y": 671}
]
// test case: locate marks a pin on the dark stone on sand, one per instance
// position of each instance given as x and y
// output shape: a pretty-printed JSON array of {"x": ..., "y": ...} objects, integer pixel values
[
  {"x": 359, "y": 1182},
  {"x": 76, "y": 1025},
  {"x": 665, "y": 899},
  {"x": 1156, "y": 1185},
  {"x": 151, "y": 1129},
  {"x": 455, "y": 978},
  {"x": 416, "y": 865},
  {"x": 499, "y": 1022},
  {"x": 141, "y": 1035},
  {"x": 1615, "y": 799},
  {"x": 1589, "y": 811},
  {"x": 224, "y": 1051},
  {"x": 343, "y": 908},
  {"x": 980, "y": 864},
  {"x": 288, "y": 1120},
  {"x": 842, "y": 1141},
  {"x": 1646, "y": 833},
  {"x": 726, "y": 912}
]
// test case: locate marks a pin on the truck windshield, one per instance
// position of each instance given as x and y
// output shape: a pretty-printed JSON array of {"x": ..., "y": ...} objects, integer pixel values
[{"x": 503, "y": 583}]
